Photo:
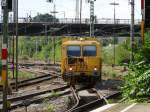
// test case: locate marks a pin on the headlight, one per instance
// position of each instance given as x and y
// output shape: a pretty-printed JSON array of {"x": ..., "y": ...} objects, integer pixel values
[
  {"x": 70, "y": 69},
  {"x": 95, "y": 69}
]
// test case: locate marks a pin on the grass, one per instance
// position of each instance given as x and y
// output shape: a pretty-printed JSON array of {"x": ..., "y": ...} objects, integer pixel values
[
  {"x": 21, "y": 75},
  {"x": 54, "y": 94},
  {"x": 122, "y": 55},
  {"x": 49, "y": 107},
  {"x": 113, "y": 72}
]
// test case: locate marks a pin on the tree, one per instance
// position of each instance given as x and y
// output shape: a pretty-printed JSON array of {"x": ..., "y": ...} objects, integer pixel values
[{"x": 44, "y": 18}]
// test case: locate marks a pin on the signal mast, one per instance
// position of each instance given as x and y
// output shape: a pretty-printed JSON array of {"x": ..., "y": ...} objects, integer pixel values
[{"x": 92, "y": 17}]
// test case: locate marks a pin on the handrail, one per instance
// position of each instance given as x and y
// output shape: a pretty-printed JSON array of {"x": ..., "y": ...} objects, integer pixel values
[{"x": 83, "y": 21}]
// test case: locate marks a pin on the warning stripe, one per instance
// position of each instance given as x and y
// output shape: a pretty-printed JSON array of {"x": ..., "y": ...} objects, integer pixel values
[
  {"x": 4, "y": 46},
  {"x": 4, "y": 62},
  {"x": 4, "y": 52}
]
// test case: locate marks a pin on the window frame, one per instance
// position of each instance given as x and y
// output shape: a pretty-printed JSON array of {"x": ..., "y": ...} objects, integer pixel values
[
  {"x": 73, "y": 46},
  {"x": 86, "y": 46}
]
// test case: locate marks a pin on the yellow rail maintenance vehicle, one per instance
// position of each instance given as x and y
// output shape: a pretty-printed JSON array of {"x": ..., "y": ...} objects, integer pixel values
[{"x": 81, "y": 61}]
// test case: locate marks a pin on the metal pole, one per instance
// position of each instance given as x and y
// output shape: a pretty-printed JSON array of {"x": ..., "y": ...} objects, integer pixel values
[
  {"x": 54, "y": 49},
  {"x": 80, "y": 17},
  {"x": 10, "y": 40},
  {"x": 114, "y": 34},
  {"x": 4, "y": 56},
  {"x": 46, "y": 36},
  {"x": 64, "y": 15},
  {"x": 36, "y": 46},
  {"x": 77, "y": 10},
  {"x": 143, "y": 19},
  {"x": 54, "y": 37},
  {"x": 142, "y": 31},
  {"x": 16, "y": 27},
  {"x": 92, "y": 17},
  {"x": 54, "y": 20},
  {"x": 114, "y": 4},
  {"x": 13, "y": 54},
  {"x": 132, "y": 31}
]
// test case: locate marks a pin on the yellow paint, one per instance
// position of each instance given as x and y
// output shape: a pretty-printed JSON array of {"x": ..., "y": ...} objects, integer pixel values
[
  {"x": 142, "y": 31},
  {"x": 4, "y": 75},
  {"x": 89, "y": 62}
]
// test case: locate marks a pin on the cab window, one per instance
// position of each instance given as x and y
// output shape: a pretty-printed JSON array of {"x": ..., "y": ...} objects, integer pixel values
[
  {"x": 73, "y": 51},
  {"x": 89, "y": 50}
]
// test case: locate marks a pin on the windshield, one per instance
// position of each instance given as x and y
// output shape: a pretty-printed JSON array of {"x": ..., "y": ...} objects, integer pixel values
[
  {"x": 74, "y": 51},
  {"x": 89, "y": 50}
]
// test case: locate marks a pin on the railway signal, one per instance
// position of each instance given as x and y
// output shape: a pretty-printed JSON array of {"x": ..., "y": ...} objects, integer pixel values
[
  {"x": 132, "y": 41},
  {"x": 4, "y": 54},
  {"x": 92, "y": 17}
]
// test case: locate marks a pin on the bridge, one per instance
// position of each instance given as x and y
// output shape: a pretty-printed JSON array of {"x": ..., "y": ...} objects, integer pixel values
[{"x": 69, "y": 26}]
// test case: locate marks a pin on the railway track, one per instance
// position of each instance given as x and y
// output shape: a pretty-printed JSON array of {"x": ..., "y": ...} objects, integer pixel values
[
  {"x": 38, "y": 64},
  {"x": 39, "y": 79},
  {"x": 33, "y": 81},
  {"x": 43, "y": 77},
  {"x": 101, "y": 100},
  {"x": 96, "y": 103},
  {"x": 27, "y": 99},
  {"x": 76, "y": 97},
  {"x": 38, "y": 97}
]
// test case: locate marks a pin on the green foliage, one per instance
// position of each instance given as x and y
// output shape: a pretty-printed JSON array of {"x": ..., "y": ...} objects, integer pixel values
[
  {"x": 44, "y": 18},
  {"x": 39, "y": 48},
  {"x": 137, "y": 82},
  {"x": 49, "y": 107},
  {"x": 22, "y": 75},
  {"x": 54, "y": 94},
  {"x": 122, "y": 54},
  {"x": 107, "y": 55}
]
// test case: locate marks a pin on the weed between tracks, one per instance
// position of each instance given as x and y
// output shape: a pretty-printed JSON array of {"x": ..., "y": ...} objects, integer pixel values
[
  {"x": 49, "y": 107},
  {"x": 22, "y": 75},
  {"x": 116, "y": 72}
]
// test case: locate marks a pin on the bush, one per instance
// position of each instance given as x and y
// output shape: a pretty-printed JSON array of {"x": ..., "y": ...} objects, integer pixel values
[
  {"x": 122, "y": 54},
  {"x": 137, "y": 82}
]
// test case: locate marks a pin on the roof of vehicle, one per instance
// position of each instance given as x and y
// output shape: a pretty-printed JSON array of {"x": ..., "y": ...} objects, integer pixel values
[{"x": 80, "y": 41}]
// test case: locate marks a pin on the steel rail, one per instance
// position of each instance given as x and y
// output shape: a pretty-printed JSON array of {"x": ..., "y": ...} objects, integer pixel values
[
  {"x": 100, "y": 95},
  {"x": 94, "y": 104},
  {"x": 27, "y": 102},
  {"x": 36, "y": 80},
  {"x": 24, "y": 101},
  {"x": 36, "y": 64},
  {"x": 31, "y": 79},
  {"x": 33, "y": 82},
  {"x": 26, "y": 96},
  {"x": 73, "y": 90}
]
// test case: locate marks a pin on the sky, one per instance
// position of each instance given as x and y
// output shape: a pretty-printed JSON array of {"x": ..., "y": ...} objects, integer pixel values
[{"x": 66, "y": 8}]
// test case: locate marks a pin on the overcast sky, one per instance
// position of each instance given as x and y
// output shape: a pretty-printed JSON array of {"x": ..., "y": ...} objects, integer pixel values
[{"x": 102, "y": 8}]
